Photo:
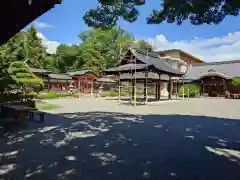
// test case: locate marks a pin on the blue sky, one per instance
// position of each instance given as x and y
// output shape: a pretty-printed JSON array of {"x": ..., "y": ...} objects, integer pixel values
[{"x": 63, "y": 23}]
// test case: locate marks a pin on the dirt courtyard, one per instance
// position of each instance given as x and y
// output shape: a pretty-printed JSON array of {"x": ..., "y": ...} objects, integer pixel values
[
  {"x": 90, "y": 139},
  {"x": 225, "y": 108}
]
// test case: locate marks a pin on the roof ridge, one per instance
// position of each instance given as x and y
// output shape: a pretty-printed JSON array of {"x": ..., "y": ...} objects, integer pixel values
[{"x": 216, "y": 63}]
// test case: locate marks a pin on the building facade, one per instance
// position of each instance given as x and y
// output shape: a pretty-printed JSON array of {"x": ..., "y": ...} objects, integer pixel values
[
  {"x": 81, "y": 81},
  {"x": 215, "y": 78},
  {"x": 179, "y": 60},
  {"x": 84, "y": 81}
]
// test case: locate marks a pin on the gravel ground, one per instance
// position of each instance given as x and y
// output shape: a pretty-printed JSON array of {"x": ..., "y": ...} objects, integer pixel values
[
  {"x": 225, "y": 108},
  {"x": 97, "y": 139}
]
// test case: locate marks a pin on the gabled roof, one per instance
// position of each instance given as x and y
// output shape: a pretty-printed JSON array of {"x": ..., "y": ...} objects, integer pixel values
[
  {"x": 150, "y": 60},
  {"x": 226, "y": 69},
  {"x": 128, "y": 68},
  {"x": 19, "y": 13},
  {"x": 80, "y": 72},
  {"x": 155, "y": 60}
]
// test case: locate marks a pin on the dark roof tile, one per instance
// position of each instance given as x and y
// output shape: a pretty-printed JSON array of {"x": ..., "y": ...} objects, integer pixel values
[
  {"x": 155, "y": 60},
  {"x": 228, "y": 69}
]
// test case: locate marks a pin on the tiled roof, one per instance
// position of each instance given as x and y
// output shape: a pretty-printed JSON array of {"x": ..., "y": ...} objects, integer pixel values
[
  {"x": 149, "y": 59},
  {"x": 141, "y": 75},
  {"x": 127, "y": 68},
  {"x": 228, "y": 69},
  {"x": 38, "y": 70},
  {"x": 80, "y": 72},
  {"x": 104, "y": 79},
  {"x": 155, "y": 60},
  {"x": 60, "y": 76}
]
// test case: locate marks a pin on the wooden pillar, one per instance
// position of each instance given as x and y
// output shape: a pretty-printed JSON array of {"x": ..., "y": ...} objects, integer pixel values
[
  {"x": 119, "y": 88},
  {"x": 158, "y": 94},
  {"x": 177, "y": 88},
  {"x": 170, "y": 88},
  {"x": 133, "y": 90},
  {"x": 66, "y": 86},
  {"x": 79, "y": 85},
  {"x": 146, "y": 86},
  {"x": 49, "y": 84},
  {"x": 203, "y": 89},
  {"x": 158, "y": 88}
]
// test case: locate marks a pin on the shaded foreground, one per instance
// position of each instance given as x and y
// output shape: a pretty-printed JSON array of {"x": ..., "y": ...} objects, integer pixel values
[{"x": 103, "y": 145}]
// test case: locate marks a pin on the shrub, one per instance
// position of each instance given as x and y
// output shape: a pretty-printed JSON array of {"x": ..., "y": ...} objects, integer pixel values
[
  {"x": 74, "y": 95},
  {"x": 236, "y": 81},
  {"x": 194, "y": 89},
  {"x": 109, "y": 94},
  {"x": 50, "y": 95}
]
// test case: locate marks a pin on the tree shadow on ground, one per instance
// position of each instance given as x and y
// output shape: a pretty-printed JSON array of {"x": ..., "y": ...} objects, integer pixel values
[{"x": 103, "y": 145}]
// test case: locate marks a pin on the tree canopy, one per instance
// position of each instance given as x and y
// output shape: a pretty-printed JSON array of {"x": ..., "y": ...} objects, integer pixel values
[
  {"x": 99, "y": 49},
  {"x": 197, "y": 12}
]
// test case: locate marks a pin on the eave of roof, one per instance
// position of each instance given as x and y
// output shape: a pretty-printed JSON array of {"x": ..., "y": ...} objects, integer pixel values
[
  {"x": 59, "y": 76},
  {"x": 107, "y": 80},
  {"x": 19, "y": 14},
  {"x": 81, "y": 72},
  {"x": 127, "y": 68},
  {"x": 225, "y": 69},
  {"x": 41, "y": 71}
]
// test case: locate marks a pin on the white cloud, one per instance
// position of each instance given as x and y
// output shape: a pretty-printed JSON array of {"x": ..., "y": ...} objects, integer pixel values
[
  {"x": 213, "y": 49},
  {"x": 43, "y": 25},
  {"x": 50, "y": 45}
]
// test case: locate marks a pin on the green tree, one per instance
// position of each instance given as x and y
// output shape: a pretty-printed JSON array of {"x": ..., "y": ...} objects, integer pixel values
[
  {"x": 21, "y": 75},
  {"x": 173, "y": 11},
  {"x": 35, "y": 51},
  {"x": 66, "y": 57},
  {"x": 145, "y": 45},
  {"x": 13, "y": 50},
  {"x": 105, "y": 46},
  {"x": 51, "y": 63},
  {"x": 236, "y": 81}
]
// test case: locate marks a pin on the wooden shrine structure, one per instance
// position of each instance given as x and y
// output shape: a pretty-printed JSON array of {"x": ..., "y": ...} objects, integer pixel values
[{"x": 138, "y": 64}]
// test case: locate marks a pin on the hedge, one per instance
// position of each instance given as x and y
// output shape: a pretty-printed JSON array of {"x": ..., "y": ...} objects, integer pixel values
[
  {"x": 109, "y": 94},
  {"x": 54, "y": 95}
]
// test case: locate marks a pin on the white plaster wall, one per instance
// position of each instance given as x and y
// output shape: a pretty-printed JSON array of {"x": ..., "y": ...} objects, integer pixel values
[
  {"x": 174, "y": 64},
  {"x": 164, "y": 91},
  {"x": 183, "y": 68}
]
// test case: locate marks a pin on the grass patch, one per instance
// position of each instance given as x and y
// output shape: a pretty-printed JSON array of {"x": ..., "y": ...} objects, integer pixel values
[{"x": 46, "y": 106}]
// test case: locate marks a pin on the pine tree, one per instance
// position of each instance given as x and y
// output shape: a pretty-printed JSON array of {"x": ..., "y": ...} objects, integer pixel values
[
  {"x": 21, "y": 74},
  {"x": 37, "y": 54}
]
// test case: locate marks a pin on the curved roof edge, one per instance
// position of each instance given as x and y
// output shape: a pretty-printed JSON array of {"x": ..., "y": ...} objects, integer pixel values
[
  {"x": 214, "y": 74},
  {"x": 81, "y": 72}
]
